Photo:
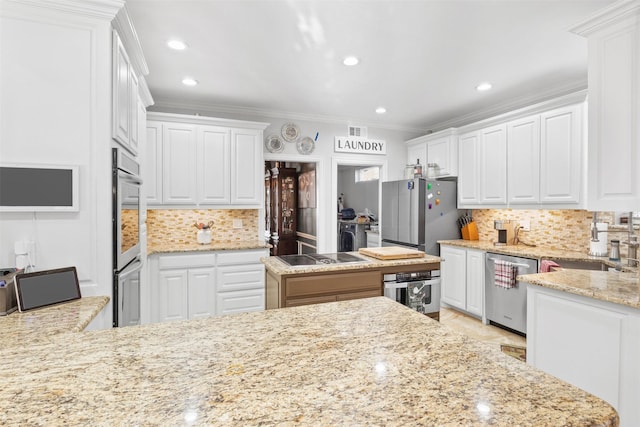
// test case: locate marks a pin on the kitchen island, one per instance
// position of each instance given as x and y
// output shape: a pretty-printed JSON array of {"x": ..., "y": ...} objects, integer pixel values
[
  {"x": 362, "y": 362},
  {"x": 289, "y": 286}
]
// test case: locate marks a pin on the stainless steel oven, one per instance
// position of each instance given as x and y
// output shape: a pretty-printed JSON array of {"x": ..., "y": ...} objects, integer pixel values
[
  {"x": 417, "y": 290},
  {"x": 127, "y": 262}
]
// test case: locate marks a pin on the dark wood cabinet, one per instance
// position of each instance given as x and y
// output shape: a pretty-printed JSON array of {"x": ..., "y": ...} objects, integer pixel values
[{"x": 283, "y": 195}]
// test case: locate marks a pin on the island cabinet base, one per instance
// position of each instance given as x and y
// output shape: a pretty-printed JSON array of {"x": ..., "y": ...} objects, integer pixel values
[
  {"x": 589, "y": 343},
  {"x": 304, "y": 289}
]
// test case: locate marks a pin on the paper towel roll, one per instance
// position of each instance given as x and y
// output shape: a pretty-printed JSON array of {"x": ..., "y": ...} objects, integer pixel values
[{"x": 599, "y": 248}]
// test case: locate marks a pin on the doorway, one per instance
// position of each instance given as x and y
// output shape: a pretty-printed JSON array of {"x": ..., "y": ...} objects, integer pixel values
[{"x": 291, "y": 207}]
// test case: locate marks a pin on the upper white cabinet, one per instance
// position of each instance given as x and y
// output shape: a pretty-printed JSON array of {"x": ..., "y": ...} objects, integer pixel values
[
  {"x": 440, "y": 148},
  {"x": 614, "y": 107},
  {"x": 561, "y": 162},
  {"x": 531, "y": 161},
  {"x": 204, "y": 161}
]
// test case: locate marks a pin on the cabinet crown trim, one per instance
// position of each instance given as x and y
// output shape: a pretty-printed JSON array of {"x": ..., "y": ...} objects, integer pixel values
[
  {"x": 202, "y": 120},
  {"x": 428, "y": 137},
  {"x": 124, "y": 26},
  {"x": 606, "y": 16},
  {"x": 103, "y": 9}
]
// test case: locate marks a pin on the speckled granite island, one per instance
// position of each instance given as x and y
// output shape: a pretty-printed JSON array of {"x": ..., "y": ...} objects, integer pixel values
[{"x": 367, "y": 362}]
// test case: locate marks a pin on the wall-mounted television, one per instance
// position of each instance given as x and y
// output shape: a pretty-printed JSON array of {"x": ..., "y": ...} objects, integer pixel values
[{"x": 38, "y": 188}]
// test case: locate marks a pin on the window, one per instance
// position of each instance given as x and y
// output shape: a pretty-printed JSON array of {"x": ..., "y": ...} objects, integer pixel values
[{"x": 367, "y": 174}]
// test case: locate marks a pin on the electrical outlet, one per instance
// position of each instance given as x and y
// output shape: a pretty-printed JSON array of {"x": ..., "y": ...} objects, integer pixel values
[
  {"x": 525, "y": 225},
  {"x": 237, "y": 223}
]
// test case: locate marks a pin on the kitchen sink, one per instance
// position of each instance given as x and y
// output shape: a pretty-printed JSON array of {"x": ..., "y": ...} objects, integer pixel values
[{"x": 583, "y": 265}]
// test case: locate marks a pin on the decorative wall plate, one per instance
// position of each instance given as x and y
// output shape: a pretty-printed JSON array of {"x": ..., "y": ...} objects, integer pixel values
[
  {"x": 290, "y": 132},
  {"x": 305, "y": 145},
  {"x": 274, "y": 144}
]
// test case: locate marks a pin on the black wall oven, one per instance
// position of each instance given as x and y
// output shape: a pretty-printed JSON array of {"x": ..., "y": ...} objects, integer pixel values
[{"x": 127, "y": 262}]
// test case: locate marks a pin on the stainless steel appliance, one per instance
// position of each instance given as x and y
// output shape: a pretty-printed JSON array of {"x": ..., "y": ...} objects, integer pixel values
[
  {"x": 417, "y": 290},
  {"x": 507, "y": 306},
  {"x": 416, "y": 213},
  {"x": 319, "y": 259},
  {"x": 352, "y": 236},
  {"x": 127, "y": 261}
]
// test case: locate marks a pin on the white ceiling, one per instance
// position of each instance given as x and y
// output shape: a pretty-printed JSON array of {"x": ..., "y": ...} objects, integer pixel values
[{"x": 420, "y": 59}]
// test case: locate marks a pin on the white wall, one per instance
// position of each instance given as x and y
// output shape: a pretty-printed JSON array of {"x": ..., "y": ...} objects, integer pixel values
[
  {"x": 357, "y": 195},
  {"x": 55, "y": 102}
]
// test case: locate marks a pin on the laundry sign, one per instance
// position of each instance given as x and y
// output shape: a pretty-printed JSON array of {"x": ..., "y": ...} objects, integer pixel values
[{"x": 349, "y": 144}]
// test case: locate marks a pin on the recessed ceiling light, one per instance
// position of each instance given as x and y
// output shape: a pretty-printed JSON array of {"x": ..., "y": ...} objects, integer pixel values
[
  {"x": 381, "y": 110},
  {"x": 350, "y": 61},
  {"x": 484, "y": 86},
  {"x": 177, "y": 44},
  {"x": 189, "y": 81}
]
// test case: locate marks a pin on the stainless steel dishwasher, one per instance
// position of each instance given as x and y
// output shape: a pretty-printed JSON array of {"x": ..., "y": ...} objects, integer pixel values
[{"x": 507, "y": 307}]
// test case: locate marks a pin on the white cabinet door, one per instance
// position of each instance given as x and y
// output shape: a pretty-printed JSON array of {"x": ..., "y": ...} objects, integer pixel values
[
  {"x": 134, "y": 136},
  {"x": 214, "y": 180},
  {"x": 561, "y": 155},
  {"x": 468, "y": 173},
  {"x": 493, "y": 165},
  {"x": 171, "y": 295},
  {"x": 475, "y": 282},
  {"x": 454, "y": 276},
  {"x": 121, "y": 120},
  {"x": 614, "y": 100},
  {"x": 201, "y": 292},
  {"x": 417, "y": 152},
  {"x": 247, "y": 177},
  {"x": 179, "y": 164},
  {"x": 444, "y": 152},
  {"x": 523, "y": 161},
  {"x": 152, "y": 164}
]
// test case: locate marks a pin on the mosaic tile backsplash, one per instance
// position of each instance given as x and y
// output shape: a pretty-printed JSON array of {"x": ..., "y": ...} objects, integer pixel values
[
  {"x": 177, "y": 225},
  {"x": 555, "y": 229}
]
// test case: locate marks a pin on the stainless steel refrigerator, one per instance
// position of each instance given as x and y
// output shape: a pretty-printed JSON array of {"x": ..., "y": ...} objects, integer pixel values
[{"x": 416, "y": 213}]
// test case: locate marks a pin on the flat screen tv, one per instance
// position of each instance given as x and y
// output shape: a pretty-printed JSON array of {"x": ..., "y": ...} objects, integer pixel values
[{"x": 38, "y": 188}]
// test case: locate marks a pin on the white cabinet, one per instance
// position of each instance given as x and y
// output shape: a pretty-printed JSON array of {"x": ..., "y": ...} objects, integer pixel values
[
  {"x": 589, "y": 343},
  {"x": 440, "y": 148},
  {"x": 213, "y": 165},
  {"x": 561, "y": 155},
  {"x": 614, "y": 100},
  {"x": 178, "y": 164},
  {"x": 247, "y": 169},
  {"x": 205, "y": 162},
  {"x": 462, "y": 272},
  {"x": 468, "y": 165},
  {"x": 125, "y": 98},
  {"x": 523, "y": 161},
  {"x": 152, "y": 164},
  {"x": 192, "y": 285},
  {"x": 493, "y": 165}
]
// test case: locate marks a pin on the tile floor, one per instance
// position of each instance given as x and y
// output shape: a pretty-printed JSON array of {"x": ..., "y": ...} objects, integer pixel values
[{"x": 475, "y": 329}]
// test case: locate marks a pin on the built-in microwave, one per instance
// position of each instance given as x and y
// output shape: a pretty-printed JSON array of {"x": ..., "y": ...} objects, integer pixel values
[{"x": 127, "y": 262}]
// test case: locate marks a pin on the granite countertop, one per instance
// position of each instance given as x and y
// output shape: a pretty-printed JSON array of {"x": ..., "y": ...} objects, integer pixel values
[
  {"x": 193, "y": 246},
  {"x": 278, "y": 267},
  {"x": 367, "y": 362},
  {"x": 613, "y": 286},
  {"x": 42, "y": 325},
  {"x": 535, "y": 252}
]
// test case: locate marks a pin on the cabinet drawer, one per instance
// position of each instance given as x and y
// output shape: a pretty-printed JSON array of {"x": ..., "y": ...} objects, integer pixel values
[
  {"x": 307, "y": 301},
  {"x": 234, "y": 278},
  {"x": 241, "y": 257},
  {"x": 333, "y": 283},
  {"x": 240, "y": 301},
  {"x": 357, "y": 295},
  {"x": 186, "y": 261}
]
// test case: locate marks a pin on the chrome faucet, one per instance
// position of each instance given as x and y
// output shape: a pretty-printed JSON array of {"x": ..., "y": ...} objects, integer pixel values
[{"x": 632, "y": 243}]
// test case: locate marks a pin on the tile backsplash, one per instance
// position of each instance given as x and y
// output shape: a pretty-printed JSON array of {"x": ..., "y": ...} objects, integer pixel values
[
  {"x": 555, "y": 229},
  {"x": 177, "y": 225}
]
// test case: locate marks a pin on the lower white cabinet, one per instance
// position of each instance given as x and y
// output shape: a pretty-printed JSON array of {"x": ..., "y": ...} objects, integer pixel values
[
  {"x": 462, "y": 275},
  {"x": 202, "y": 284},
  {"x": 589, "y": 343}
]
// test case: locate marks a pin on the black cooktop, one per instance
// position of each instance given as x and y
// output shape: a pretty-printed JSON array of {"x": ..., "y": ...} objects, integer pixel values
[{"x": 319, "y": 259}]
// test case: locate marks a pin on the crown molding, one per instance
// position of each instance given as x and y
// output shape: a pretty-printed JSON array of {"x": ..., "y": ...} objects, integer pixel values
[
  {"x": 606, "y": 16},
  {"x": 102, "y": 9},
  {"x": 164, "y": 104},
  {"x": 205, "y": 120},
  {"x": 127, "y": 32},
  {"x": 145, "y": 94},
  {"x": 577, "y": 89}
]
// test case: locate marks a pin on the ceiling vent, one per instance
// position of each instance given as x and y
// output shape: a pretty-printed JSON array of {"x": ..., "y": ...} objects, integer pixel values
[{"x": 357, "y": 131}]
